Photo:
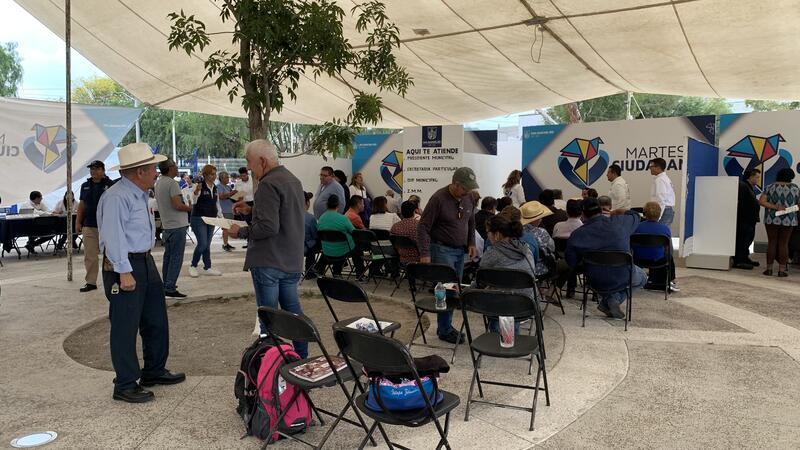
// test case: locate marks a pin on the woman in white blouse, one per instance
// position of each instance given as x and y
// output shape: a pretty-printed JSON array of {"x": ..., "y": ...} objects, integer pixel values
[
  {"x": 357, "y": 185},
  {"x": 513, "y": 188},
  {"x": 381, "y": 218}
]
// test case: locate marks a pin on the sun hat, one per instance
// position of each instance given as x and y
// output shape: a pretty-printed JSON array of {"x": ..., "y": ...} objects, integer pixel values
[
  {"x": 532, "y": 211},
  {"x": 465, "y": 177},
  {"x": 137, "y": 155}
]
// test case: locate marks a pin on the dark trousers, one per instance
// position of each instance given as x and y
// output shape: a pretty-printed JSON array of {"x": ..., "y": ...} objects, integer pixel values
[
  {"x": 745, "y": 233},
  {"x": 141, "y": 311},
  {"x": 657, "y": 278}
]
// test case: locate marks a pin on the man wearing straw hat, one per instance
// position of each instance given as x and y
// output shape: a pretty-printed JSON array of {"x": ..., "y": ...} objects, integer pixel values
[{"x": 132, "y": 283}]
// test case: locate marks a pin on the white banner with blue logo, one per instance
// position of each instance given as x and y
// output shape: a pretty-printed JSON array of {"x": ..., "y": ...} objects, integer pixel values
[
  {"x": 574, "y": 157},
  {"x": 379, "y": 160},
  {"x": 431, "y": 155},
  {"x": 33, "y": 142}
]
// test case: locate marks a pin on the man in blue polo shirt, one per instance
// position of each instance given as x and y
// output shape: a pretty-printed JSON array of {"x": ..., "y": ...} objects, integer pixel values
[{"x": 603, "y": 233}]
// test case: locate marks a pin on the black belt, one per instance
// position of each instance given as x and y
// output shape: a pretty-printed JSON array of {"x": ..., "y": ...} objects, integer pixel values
[{"x": 139, "y": 255}]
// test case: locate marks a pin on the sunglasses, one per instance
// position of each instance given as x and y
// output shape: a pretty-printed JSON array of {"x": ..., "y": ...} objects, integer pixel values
[{"x": 460, "y": 210}]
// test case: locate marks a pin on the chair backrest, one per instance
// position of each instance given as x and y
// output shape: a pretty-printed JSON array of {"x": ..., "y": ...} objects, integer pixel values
[
  {"x": 331, "y": 236},
  {"x": 431, "y": 273},
  {"x": 381, "y": 235},
  {"x": 652, "y": 241},
  {"x": 496, "y": 303},
  {"x": 607, "y": 259},
  {"x": 287, "y": 325},
  {"x": 561, "y": 244},
  {"x": 363, "y": 239},
  {"x": 342, "y": 290},
  {"x": 504, "y": 279},
  {"x": 402, "y": 242},
  {"x": 374, "y": 351}
]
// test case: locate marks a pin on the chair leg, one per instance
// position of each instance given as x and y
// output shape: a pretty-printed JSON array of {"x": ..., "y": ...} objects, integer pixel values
[
  {"x": 443, "y": 441},
  {"x": 369, "y": 436},
  {"x": 418, "y": 327},
  {"x": 544, "y": 377},
  {"x": 583, "y": 306},
  {"x": 535, "y": 393},
  {"x": 471, "y": 389},
  {"x": 274, "y": 426},
  {"x": 455, "y": 347},
  {"x": 316, "y": 411}
]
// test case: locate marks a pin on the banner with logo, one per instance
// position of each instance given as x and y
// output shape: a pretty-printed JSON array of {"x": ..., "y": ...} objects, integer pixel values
[
  {"x": 576, "y": 156},
  {"x": 431, "y": 155},
  {"x": 33, "y": 142},
  {"x": 481, "y": 142},
  {"x": 379, "y": 159},
  {"x": 702, "y": 160}
]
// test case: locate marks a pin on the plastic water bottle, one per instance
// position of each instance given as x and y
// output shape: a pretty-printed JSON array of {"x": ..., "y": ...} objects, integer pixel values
[{"x": 440, "y": 293}]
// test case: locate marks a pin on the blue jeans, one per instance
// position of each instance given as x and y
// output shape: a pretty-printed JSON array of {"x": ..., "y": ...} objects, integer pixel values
[
  {"x": 453, "y": 257},
  {"x": 618, "y": 298},
  {"x": 273, "y": 288},
  {"x": 203, "y": 233},
  {"x": 667, "y": 216},
  {"x": 174, "y": 245}
]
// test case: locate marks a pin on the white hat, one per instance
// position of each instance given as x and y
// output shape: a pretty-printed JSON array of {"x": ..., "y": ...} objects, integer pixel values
[{"x": 135, "y": 155}]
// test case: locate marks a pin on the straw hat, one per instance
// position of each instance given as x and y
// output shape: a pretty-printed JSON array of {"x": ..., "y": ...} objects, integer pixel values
[
  {"x": 136, "y": 155},
  {"x": 532, "y": 211}
]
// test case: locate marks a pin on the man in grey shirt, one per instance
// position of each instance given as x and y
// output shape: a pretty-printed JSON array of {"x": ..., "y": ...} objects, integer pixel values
[
  {"x": 174, "y": 222},
  {"x": 327, "y": 186},
  {"x": 276, "y": 235}
]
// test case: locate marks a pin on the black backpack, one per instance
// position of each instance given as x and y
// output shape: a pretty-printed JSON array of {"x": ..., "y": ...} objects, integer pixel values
[{"x": 245, "y": 388}]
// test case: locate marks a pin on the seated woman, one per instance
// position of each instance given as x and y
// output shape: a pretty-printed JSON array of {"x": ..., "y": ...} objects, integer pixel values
[
  {"x": 508, "y": 251},
  {"x": 532, "y": 214},
  {"x": 657, "y": 278},
  {"x": 333, "y": 220}
]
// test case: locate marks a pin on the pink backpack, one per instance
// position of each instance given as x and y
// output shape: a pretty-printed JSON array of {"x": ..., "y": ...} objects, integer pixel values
[{"x": 275, "y": 394}]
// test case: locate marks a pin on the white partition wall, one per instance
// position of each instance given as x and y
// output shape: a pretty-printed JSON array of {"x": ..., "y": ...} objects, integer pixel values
[{"x": 714, "y": 239}]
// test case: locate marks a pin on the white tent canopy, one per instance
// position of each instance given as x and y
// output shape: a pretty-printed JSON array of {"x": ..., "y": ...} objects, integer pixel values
[{"x": 477, "y": 59}]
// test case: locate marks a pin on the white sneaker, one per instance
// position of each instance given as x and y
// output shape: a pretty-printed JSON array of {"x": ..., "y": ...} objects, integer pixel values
[
  {"x": 212, "y": 272},
  {"x": 193, "y": 272},
  {"x": 674, "y": 286}
]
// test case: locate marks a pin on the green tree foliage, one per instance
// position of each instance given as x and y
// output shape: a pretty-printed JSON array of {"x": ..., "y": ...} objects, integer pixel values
[
  {"x": 10, "y": 70},
  {"x": 101, "y": 91},
  {"x": 771, "y": 105},
  {"x": 279, "y": 43},
  {"x": 613, "y": 107}
]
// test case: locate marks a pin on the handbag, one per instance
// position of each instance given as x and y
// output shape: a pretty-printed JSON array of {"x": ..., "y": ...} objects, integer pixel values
[{"x": 389, "y": 392}]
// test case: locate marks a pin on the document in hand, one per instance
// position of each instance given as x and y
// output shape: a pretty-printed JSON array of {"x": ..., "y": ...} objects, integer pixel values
[
  {"x": 237, "y": 196},
  {"x": 224, "y": 223},
  {"x": 788, "y": 210}
]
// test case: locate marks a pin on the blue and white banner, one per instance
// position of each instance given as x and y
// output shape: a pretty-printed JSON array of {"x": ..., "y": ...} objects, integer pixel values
[
  {"x": 33, "y": 141},
  {"x": 702, "y": 160},
  {"x": 379, "y": 160},
  {"x": 577, "y": 156}
]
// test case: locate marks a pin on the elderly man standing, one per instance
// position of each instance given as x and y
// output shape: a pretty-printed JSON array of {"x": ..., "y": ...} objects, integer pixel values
[
  {"x": 327, "y": 186},
  {"x": 131, "y": 280},
  {"x": 174, "y": 221},
  {"x": 446, "y": 232},
  {"x": 276, "y": 233},
  {"x": 86, "y": 221}
]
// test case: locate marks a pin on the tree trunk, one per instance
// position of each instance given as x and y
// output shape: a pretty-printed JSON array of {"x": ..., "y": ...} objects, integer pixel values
[
  {"x": 256, "y": 124},
  {"x": 574, "y": 113}
]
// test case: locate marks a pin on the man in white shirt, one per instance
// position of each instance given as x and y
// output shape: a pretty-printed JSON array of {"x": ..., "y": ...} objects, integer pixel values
[
  {"x": 392, "y": 203},
  {"x": 620, "y": 193},
  {"x": 245, "y": 186},
  {"x": 662, "y": 191},
  {"x": 39, "y": 207}
]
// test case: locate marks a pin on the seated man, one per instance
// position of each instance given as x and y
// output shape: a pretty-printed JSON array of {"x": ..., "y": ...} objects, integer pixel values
[
  {"x": 488, "y": 209},
  {"x": 407, "y": 227},
  {"x": 601, "y": 233},
  {"x": 605, "y": 204},
  {"x": 356, "y": 206},
  {"x": 38, "y": 206},
  {"x": 333, "y": 220},
  {"x": 658, "y": 277},
  {"x": 563, "y": 230}
]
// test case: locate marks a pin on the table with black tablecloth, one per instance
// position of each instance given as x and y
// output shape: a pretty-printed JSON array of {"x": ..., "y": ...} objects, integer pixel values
[{"x": 12, "y": 228}]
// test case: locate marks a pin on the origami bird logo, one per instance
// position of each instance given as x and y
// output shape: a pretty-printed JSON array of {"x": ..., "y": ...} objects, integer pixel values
[
  {"x": 589, "y": 161},
  {"x": 758, "y": 149},
  {"x": 51, "y": 139},
  {"x": 392, "y": 171}
]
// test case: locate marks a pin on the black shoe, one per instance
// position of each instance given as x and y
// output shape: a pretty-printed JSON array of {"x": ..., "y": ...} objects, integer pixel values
[
  {"x": 453, "y": 337},
  {"x": 604, "y": 310},
  {"x": 31, "y": 250},
  {"x": 228, "y": 248},
  {"x": 244, "y": 246},
  {"x": 88, "y": 287},
  {"x": 174, "y": 294},
  {"x": 743, "y": 265},
  {"x": 134, "y": 395},
  {"x": 615, "y": 311},
  {"x": 754, "y": 263},
  {"x": 167, "y": 378}
]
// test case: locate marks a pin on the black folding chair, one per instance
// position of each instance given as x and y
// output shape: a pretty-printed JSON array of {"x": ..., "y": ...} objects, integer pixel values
[
  {"x": 608, "y": 259},
  {"x": 350, "y": 292},
  {"x": 654, "y": 241},
  {"x": 549, "y": 279},
  {"x": 401, "y": 243},
  {"x": 511, "y": 279},
  {"x": 368, "y": 242},
  {"x": 496, "y": 304},
  {"x": 432, "y": 273},
  {"x": 297, "y": 327},
  {"x": 386, "y": 355},
  {"x": 334, "y": 236}
]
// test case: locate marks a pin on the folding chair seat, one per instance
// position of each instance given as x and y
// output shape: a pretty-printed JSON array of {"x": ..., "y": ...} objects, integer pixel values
[
  {"x": 367, "y": 242},
  {"x": 386, "y": 355},
  {"x": 495, "y": 304},
  {"x": 654, "y": 241},
  {"x": 433, "y": 274},
  {"x": 608, "y": 259},
  {"x": 296, "y": 327},
  {"x": 333, "y": 236},
  {"x": 350, "y": 292}
]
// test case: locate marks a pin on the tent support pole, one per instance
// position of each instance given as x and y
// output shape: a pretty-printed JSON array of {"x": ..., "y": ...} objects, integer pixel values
[{"x": 70, "y": 203}]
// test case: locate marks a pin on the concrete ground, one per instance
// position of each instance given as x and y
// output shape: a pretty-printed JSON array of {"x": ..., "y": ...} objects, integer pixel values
[{"x": 715, "y": 366}]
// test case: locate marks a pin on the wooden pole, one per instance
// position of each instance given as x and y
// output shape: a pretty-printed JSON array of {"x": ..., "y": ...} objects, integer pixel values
[{"x": 70, "y": 199}]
